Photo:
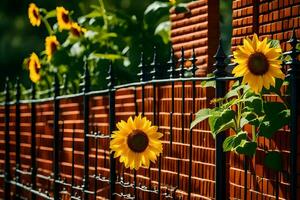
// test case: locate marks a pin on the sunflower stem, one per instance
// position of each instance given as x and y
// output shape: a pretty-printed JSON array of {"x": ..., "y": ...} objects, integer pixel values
[
  {"x": 239, "y": 113},
  {"x": 47, "y": 25},
  {"x": 254, "y": 138},
  {"x": 104, "y": 14}
]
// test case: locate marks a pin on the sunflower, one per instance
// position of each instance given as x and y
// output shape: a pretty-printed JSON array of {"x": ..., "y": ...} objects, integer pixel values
[
  {"x": 136, "y": 142},
  {"x": 51, "y": 45},
  {"x": 173, "y": 2},
  {"x": 77, "y": 30},
  {"x": 34, "y": 68},
  {"x": 34, "y": 15},
  {"x": 63, "y": 19},
  {"x": 258, "y": 63}
]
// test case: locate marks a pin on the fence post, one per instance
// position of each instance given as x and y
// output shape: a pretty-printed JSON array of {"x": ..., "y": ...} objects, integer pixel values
[
  {"x": 294, "y": 73},
  {"x": 17, "y": 131},
  {"x": 33, "y": 141},
  {"x": 112, "y": 93},
  {"x": 86, "y": 113},
  {"x": 56, "y": 138},
  {"x": 7, "y": 176},
  {"x": 220, "y": 71}
]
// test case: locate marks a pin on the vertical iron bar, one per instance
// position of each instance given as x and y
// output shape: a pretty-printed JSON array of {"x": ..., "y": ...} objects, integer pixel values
[
  {"x": 245, "y": 176},
  {"x": 33, "y": 142},
  {"x": 194, "y": 69},
  {"x": 56, "y": 138},
  {"x": 86, "y": 113},
  {"x": 294, "y": 76},
  {"x": 73, "y": 160},
  {"x": 154, "y": 73},
  {"x": 171, "y": 133},
  {"x": 159, "y": 177},
  {"x": 190, "y": 159},
  {"x": 178, "y": 172},
  {"x": 134, "y": 171},
  {"x": 18, "y": 118},
  {"x": 112, "y": 96},
  {"x": 220, "y": 71},
  {"x": 7, "y": 175},
  {"x": 96, "y": 166},
  {"x": 172, "y": 71},
  {"x": 181, "y": 75},
  {"x": 277, "y": 186},
  {"x": 142, "y": 76}
]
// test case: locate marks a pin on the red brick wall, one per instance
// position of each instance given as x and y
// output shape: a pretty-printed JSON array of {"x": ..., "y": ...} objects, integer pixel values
[
  {"x": 274, "y": 19},
  {"x": 71, "y": 116},
  {"x": 198, "y": 29}
]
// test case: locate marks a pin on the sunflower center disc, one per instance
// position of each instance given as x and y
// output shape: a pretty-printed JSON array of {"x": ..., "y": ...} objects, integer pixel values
[
  {"x": 53, "y": 47},
  {"x": 65, "y": 18},
  {"x": 258, "y": 63},
  {"x": 36, "y": 69},
  {"x": 35, "y": 14},
  {"x": 137, "y": 141}
]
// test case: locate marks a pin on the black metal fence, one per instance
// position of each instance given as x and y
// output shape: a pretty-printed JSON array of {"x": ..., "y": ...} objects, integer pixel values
[{"x": 149, "y": 75}]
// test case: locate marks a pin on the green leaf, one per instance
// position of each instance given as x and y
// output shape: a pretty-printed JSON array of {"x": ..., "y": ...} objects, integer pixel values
[
  {"x": 273, "y": 160},
  {"x": 94, "y": 13},
  {"x": 105, "y": 56},
  {"x": 231, "y": 142},
  {"x": 228, "y": 143},
  {"x": 249, "y": 118},
  {"x": 254, "y": 104},
  {"x": 164, "y": 31},
  {"x": 50, "y": 14},
  {"x": 200, "y": 116},
  {"x": 272, "y": 123},
  {"x": 155, "y": 11},
  {"x": 234, "y": 90},
  {"x": 210, "y": 83},
  {"x": 181, "y": 8},
  {"x": 246, "y": 148},
  {"x": 221, "y": 120},
  {"x": 274, "y": 43}
]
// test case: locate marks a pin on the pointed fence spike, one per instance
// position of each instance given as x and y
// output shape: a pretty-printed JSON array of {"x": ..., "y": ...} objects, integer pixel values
[
  {"x": 172, "y": 64},
  {"x": 86, "y": 78},
  {"x": 293, "y": 40},
  {"x": 220, "y": 63},
  {"x": 6, "y": 90},
  {"x": 110, "y": 77},
  {"x": 154, "y": 64},
  {"x": 194, "y": 60},
  {"x": 182, "y": 61},
  {"x": 142, "y": 74},
  {"x": 65, "y": 83}
]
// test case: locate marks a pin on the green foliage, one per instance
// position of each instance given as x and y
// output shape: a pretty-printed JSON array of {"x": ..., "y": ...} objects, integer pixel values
[
  {"x": 221, "y": 120},
  {"x": 111, "y": 35},
  {"x": 273, "y": 160},
  {"x": 241, "y": 107}
]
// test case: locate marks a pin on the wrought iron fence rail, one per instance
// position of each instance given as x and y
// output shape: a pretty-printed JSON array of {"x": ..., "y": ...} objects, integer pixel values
[{"x": 33, "y": 191}]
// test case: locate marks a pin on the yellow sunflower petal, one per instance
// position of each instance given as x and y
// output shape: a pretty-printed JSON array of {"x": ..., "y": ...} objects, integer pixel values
[
  {"x": 248, "y": 47},
  {"x": 136, "y": 142},
  {"x": 63, "y": 18},
  {"x": 34, "y": 15},
  {"x": 255, "y": 41}
]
